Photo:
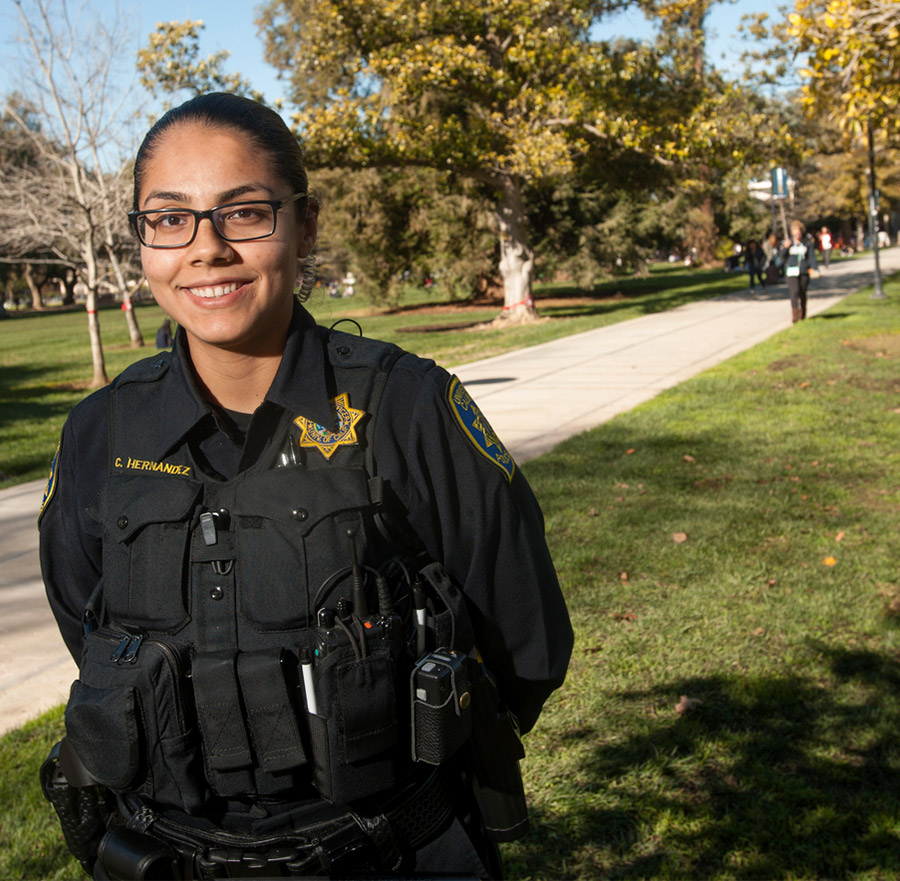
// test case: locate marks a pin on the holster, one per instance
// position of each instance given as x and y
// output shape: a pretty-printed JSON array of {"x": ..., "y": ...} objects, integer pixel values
[{"x": 82, "y": 810}]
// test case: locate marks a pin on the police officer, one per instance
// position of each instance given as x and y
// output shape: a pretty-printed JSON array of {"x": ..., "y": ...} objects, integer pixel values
[{"x": 291, "y": 562}]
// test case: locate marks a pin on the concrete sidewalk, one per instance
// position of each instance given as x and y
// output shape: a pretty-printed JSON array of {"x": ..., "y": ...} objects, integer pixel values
[{"x": 534, "y": 399}]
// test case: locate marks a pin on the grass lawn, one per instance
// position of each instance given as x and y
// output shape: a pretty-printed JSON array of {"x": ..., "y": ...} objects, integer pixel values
[
  {"x": 729, "y": 554},
  {"x": 45, "y": 360}
]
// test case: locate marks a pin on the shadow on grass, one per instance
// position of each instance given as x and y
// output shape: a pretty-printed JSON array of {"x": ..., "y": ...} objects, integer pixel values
[{"x": 772, "y": 777}]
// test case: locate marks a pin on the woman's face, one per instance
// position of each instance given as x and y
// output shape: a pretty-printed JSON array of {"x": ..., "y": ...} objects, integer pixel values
[{"x": 226, "y": 295}]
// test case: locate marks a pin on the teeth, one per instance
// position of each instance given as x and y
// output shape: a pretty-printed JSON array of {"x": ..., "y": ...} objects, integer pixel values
[{"x": 215, "y": 292}]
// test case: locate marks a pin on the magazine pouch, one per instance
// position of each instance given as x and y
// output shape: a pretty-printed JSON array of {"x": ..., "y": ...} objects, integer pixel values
[{"x": 127, "y": 723}]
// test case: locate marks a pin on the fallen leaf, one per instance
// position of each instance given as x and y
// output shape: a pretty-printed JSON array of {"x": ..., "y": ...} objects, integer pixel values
[
  {"x": 759, "y": 631},
  {"x": 686, "y": 704},
  {"x": 731, "y": 780},
  {"x": 623, "y": 576},
  {"x": 804, "y": 385},
  {"x": 629, "y": 452},
  {"x": 679, "y": 537},
  {"x": 621, "y": 485},
  {"x": 623, "y": 616},
  {"x": 839, "y": 536},
  {"x": 592, "y": 512},
  {"x": 772, "y": 581},
  {"x": 829, "y": 561},
  {"x": 688, "y": 458}
]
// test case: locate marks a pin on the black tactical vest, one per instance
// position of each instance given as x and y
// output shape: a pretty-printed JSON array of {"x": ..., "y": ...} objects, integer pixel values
[{"x": 218, "y": 596}]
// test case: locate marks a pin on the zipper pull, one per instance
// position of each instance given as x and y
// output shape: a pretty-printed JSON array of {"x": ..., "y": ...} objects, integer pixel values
[
  {"x": 124, "y": 641},
  {"x": 130, "y": 656}
]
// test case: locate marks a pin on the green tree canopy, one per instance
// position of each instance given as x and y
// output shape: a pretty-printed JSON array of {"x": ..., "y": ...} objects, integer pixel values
[
  {"x": 852, "y": 52},
  {"x": 508, "y": 94}
]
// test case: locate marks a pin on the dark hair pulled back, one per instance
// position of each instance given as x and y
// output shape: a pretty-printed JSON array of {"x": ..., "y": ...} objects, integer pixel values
[{"x": 262, "y": 126}]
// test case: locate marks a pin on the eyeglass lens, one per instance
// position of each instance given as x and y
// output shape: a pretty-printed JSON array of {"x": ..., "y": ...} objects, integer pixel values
[{"x": 171, "y": 228}]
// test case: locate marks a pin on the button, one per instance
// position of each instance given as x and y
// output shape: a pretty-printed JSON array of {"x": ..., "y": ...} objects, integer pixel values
[
  {"x": 122, "y": 522},
  {"x": 464, "y": 700},
  {"x": 343, "y": 350},
  {"x": 216, "y": 593},
  {"x": 300, "y": 514}
]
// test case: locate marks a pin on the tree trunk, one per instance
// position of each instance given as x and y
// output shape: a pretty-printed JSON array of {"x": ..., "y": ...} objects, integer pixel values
[
  {"x": 98, "y": 361},
  {"x": 67, "y": 286},
  {"x": 134, "y": 331},
  {"x": 100, "y": 378},
  {"x": 516, "y": 257},
  {"x": 36, "y": 301},
  {"x": 701, "y": 234}
]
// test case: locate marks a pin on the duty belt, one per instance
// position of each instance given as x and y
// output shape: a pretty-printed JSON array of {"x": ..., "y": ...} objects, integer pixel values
[{"x": 349, "y": 841}]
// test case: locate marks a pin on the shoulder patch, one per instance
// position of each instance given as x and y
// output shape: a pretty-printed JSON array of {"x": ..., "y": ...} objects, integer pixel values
[
  {"x": 477, "y": 429},
  {"x": 50, "y": 489}
]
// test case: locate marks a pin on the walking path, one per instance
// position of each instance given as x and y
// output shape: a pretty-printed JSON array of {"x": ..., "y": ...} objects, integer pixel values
[{"x": 534, "y": 398}]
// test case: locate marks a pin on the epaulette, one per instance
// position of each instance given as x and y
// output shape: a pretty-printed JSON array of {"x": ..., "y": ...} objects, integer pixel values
[
  {"x": 349, "y": 350},
  {"x": 145, "y": 370}
]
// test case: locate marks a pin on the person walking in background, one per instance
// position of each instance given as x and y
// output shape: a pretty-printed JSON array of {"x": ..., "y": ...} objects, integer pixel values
[
  {"x": 825, "y": 245},
  {"x": 771, "y": 265},
  {"x": 754, "y": 260},
  {"x": 164, "y": 335},
  {"x": 799, "y": 258}
]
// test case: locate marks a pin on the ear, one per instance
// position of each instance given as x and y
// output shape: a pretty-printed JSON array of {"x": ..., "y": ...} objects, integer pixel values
[{"x": 309, "y": 229}]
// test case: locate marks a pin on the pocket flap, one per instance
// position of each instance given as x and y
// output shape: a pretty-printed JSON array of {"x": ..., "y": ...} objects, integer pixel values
[
  {"x": 301, "y": 498},
  {"x": 133, "y": 502},
  {"x": 101, "y": 725}
]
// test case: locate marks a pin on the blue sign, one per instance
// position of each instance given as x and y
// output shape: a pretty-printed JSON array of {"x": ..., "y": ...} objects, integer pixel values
[{"x": 779, "y": 183}]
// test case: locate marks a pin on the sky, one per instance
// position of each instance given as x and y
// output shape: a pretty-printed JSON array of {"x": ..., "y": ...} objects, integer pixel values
[{"x": 230, "y": 26}]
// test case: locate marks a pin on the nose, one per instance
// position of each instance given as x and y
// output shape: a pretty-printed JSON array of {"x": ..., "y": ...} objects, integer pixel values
[{"x": 208, "y": 245}]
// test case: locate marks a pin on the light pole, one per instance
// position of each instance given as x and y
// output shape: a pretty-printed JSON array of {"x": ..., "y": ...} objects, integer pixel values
[{"x": 878, "y": 293}]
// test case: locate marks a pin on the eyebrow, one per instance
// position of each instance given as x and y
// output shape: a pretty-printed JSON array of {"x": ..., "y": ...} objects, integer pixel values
[{"x": 221, "y": 199}]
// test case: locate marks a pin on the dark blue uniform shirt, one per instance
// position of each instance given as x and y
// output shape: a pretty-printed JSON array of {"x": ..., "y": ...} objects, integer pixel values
[{"x": 486, "y": 529}]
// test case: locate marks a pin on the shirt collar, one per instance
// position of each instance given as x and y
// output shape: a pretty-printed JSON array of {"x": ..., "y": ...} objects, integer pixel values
[{"x": 300, "y": 385}]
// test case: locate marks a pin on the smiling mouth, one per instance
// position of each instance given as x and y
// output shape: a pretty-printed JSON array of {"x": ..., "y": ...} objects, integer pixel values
[{"x": 213, "y": 293}]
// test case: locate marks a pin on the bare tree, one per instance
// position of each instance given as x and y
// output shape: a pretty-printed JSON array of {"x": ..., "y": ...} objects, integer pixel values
[{"x": 74, "y": 207}]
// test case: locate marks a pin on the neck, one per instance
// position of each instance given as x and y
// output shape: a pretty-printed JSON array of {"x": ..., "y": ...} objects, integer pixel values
[{"x": 235, "y": 380}]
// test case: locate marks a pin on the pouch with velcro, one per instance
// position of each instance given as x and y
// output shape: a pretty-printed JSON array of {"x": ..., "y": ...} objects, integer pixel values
[
  {"x": 128, "y": 723},
  {"x": 355, "y": 735}
]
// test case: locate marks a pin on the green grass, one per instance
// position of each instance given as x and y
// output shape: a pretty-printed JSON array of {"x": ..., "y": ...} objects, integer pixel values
[
  {"x": 788, "y": 765},
  {"x": 786, "y": 761},
  {"x": 31, "y": 846},
  {"x": 45, "y": 359}
]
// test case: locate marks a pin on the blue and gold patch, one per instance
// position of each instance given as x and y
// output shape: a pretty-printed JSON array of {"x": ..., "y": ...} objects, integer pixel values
[
  {"x": 477, "y": 429},
  {"x": 51, "y": 483},
  {"x": 326, "y": 442}
]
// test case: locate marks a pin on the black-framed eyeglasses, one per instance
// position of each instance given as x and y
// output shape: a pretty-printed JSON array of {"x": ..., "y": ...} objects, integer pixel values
[{"x": 234, "y": 222}]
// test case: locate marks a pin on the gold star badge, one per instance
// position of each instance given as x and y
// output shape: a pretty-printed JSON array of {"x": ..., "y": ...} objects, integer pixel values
[{"x": 325, "y": 441}]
